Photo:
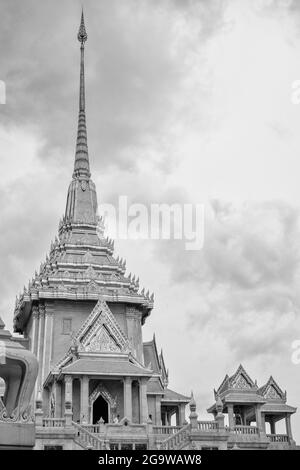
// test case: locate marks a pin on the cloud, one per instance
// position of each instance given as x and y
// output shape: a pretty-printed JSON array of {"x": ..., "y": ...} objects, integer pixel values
[
  {"x": 246, "y": 277},
  {"x": 134, "y": 94}
]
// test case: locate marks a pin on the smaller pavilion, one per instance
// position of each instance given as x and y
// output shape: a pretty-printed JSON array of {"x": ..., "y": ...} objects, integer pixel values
[{"x": 245, "y": 404}]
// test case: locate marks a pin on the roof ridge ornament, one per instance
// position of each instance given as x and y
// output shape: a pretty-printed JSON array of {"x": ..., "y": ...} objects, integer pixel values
[
  {"x": 82, "y": 165},
  {"x": 82, "y": 36}
]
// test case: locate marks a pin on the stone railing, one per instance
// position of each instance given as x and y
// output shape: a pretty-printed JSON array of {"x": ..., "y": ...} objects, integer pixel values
[
  {"x": 278, "y": 437},
  {"x": 208, "y": 426},
  {"x": 166, "y": 430},
  {"x": 54, "y": 422},
  {"x": 93, "y": 428},
  {"x": 246, "y": 430},
  {"x": 88, "y": 440},
  {"x": 174, "y": 441}
]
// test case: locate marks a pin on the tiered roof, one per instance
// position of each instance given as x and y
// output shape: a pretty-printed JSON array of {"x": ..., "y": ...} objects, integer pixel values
[
  {"x": 241, "y": 389},
  {"x": 81, "y": 264}
]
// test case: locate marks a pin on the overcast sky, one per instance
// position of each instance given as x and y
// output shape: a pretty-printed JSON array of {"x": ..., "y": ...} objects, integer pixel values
[{"x": 187, "y": 101}]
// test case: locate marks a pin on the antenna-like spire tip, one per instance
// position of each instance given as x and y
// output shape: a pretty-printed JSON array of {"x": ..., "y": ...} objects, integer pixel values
[{"x": 82, "y": 36}]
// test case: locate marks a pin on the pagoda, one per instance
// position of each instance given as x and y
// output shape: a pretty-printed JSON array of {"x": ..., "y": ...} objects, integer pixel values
[{"x": 82, "y": 317}]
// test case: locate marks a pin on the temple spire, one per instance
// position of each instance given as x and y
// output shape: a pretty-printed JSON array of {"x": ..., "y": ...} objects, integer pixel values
[{"x": 82, "y": 166}]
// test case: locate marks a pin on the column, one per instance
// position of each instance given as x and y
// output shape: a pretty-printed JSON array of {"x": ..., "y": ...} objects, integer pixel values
[
  {"x": 258, "y": 416},
  {"x": 158, "y": 417},
  {"x": 68, "y": 412},
  {"x": 177, "y": 416},
  {"x": 47, "y": 347},
  {"x": 272, "y": 425},
  {"x": 143, "y": 401},
  {"x": 288, "y": 426},
  {"x": 84, "y": 399},
  {"x": 58, "y": 412},
  {"x": 35, "y": 320},
  {"x": 263, "y": 422},
  {"x": 182, "y": 414},
  {"x": 127, "y": 384},
  {"x": 68, "y": 389},
  {"x": 40, "y": 345},
  {"x": 230, "y": 415}
]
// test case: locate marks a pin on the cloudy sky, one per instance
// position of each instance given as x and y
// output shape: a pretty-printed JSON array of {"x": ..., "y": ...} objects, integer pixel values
[{"x": 187, "y": 101}]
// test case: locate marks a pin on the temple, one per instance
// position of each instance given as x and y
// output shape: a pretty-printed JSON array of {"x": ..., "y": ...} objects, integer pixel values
[
  {"x": 82, "y": 317},
  {"x": 96, "y": 384}
]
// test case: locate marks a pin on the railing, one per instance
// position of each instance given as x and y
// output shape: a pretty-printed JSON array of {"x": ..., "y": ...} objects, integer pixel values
[
  {"x": 246, "y": 430},
  {"x": 54, "y": 422},
  {"x": 93, "y": 428},
  {"x": 278, "y": 437},
  {"x": 208, "y": 426},
  {"x": 173, "y": 441},
  {"x": 86, "y": 439},
  {"x": 166, "y": 430}
]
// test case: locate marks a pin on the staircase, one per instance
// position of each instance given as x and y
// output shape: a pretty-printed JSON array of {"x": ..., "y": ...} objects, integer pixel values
[
  {"x": 88, "y": 440},
  {"x": 178, "y": 440}
]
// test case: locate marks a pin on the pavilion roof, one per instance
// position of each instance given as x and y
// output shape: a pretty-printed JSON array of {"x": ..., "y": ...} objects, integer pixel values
[
  {"x": 278, "y": 408},
  {"x": 171, "y": 396},
  {"x": 272, "y": 391},
  {"x": 105, "y": 367}
]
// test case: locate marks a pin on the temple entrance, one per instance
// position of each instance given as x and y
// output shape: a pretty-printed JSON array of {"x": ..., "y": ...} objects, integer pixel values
[{"x": 100, "y": 410}]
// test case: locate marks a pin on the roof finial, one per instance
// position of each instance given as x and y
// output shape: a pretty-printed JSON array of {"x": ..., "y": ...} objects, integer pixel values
[
  {"x": 82, "y": 166},
  {"x": 82, "y": 36}
]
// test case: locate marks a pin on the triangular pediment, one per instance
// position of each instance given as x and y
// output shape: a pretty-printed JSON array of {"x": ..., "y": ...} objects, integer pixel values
[
  {"x": 241, "y": 380},
  {"x": 272, "y": 391},
  {"x": 102, "y": 341},
  {"x": 101, "y": 332}
]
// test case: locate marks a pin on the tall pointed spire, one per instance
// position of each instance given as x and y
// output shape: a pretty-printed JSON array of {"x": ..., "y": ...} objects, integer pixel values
[{"x": 82, "y": 166}]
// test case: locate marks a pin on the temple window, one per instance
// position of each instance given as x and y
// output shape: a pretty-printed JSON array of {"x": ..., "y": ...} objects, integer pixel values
[{"x": 66, "y": 326}]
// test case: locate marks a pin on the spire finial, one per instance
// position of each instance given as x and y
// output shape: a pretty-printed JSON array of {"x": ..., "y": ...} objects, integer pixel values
[
  {"x": 82, "y": 166},
  {"x": 82, "y": 36}
]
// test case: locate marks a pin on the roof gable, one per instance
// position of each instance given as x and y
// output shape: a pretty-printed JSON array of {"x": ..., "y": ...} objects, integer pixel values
[
  {"x": 241, "y": 380},
  {"x": 101, "y": 332},
  {"x": 151, "y": 357},
  {"x": 272, "y": 391}
]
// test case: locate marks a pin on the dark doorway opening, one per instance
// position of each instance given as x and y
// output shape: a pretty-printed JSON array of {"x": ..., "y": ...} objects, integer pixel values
[{"x": 100, "y": 410}]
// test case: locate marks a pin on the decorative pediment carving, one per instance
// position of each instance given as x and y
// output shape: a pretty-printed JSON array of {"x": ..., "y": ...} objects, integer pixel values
[
  {"x": 102, "y": 342},
  {"x": 272, "y": 393},
  {"x": 241, "y": 383},
  {"x": 91, "y": 273},
  {"x": 101, "y": 332}
]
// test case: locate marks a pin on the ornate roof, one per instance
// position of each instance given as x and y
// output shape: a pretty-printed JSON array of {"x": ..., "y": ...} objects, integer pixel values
[
  {"x": 81, "y": 264},
  {"x": 271, "y": 391},
  {"x": 105, "y": 366},
  {"x": 240, "y": 380},
  {"x": 240, "y": 388},
  {"x": 171, "y": 396}
]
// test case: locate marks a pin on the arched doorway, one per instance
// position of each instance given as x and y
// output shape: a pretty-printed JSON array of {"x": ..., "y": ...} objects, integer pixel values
[{"x": 100, "y": 410}]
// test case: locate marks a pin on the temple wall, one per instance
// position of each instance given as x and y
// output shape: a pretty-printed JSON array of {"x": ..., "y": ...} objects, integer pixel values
[
  {"x": 119, "y": 310},
  {"x": 134, "y": 328},
  {"x": 77, "y": 312}
]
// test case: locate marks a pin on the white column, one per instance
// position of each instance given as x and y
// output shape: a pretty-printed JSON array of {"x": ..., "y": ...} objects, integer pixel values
[
  {"x": 127, "y": 384},
  {"x": 143, "y": 401},
  {"x": 68, "y": 389},
  {"x": 40, "y": 345},
  {"x": 230, "y": 415},
  {"x": 47, "y": 345},
  {"x": 181, "y": 414},
  {"x": 288, "y": 426},
  {"x": 158, "y": 411},
  {"x": 84, "y": 400},
  {"x": 258, "y": 417},
  {"x": 35, "y": 320}
]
